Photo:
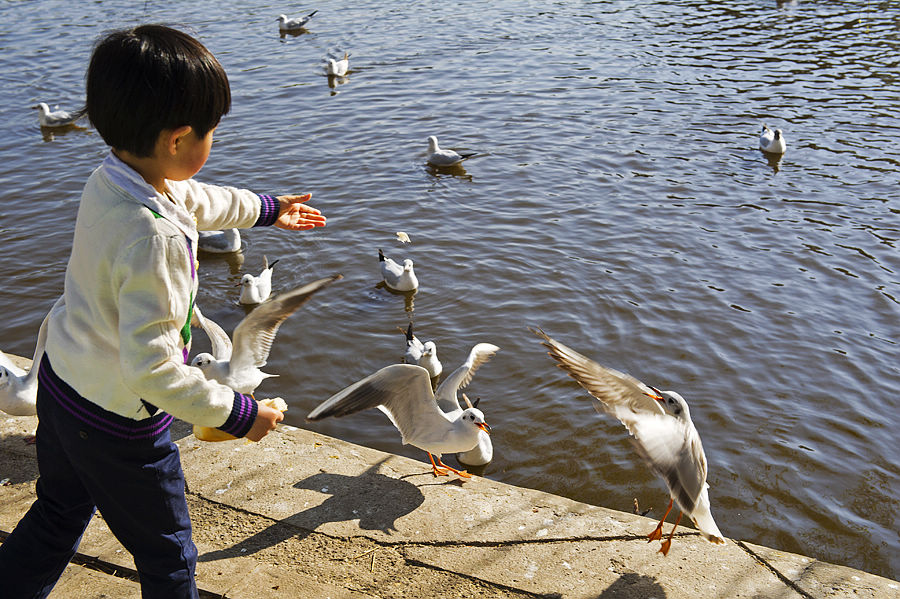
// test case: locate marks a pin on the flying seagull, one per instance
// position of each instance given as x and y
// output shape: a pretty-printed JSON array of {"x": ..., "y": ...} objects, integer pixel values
[
  {"x": 662, "y": 431},
  {"x": 252, "y": 340}
]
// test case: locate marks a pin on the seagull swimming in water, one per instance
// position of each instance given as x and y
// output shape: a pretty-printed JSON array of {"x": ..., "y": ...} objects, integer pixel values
[
  {"x": 422, "y": 354},
  {"x": 338, "y": 68},
  {"x": 252, "y": 340},
  {"x": 286, "y": 24},
  {"x": 57, "y": 118},
  {"x": 447, "y": 401},
  {"x": 18, "y": 389},
  {"x": 256, "y": 290},
  {"x": 772, "y": 141},
  {"x": 220, "y": 242},
  {"x": 403, "y": 392},
  {"x": 397, "y": 277},
  {"x": 439, "y": 157},
  {"x": 662, "y": 430}
]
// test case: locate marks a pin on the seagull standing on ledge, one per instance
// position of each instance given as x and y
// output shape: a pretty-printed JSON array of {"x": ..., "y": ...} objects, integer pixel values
[
  {"x": 18, "y": 389},
  {"x": 256, "y": 290},
  {"x": 58, "y": 118},
  {"x": 772, "y": 141},
  {"x": 397, "y": 277},
  {"x": 439, "y": 157},
  {"x": 286, "y": 24},
  {"x": 662, "y": 431},
  {"x": 403, "y": 392},
  {"x": 447, "y": 401}
]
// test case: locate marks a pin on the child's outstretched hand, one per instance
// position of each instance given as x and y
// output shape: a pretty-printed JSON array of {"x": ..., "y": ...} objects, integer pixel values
[
  {"x": 266, "y": 419},
  {"x": 294, "y": 215}
]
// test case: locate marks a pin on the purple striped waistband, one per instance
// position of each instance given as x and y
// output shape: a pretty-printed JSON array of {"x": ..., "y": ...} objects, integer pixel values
[{"x": 93, "y": 415}]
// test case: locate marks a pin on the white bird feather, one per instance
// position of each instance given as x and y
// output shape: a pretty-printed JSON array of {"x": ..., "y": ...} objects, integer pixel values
[
  {"x": 661, "y": 427},
  {"x": 403, "y": 393},
  {"x": 253, "y": 337}
]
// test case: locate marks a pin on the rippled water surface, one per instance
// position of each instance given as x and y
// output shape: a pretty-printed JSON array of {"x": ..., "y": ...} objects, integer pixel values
[{"x": 619, "y": 201}]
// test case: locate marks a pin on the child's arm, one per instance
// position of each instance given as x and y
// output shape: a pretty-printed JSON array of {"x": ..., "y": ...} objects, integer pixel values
[
  {"x": 295, "y": 215},
  {"x": 217, "y": 207},
  {"x": 266, "y": 419}
]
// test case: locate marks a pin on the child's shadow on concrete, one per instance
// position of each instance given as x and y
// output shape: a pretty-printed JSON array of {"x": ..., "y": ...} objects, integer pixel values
[{"x": 376, "y": 500}]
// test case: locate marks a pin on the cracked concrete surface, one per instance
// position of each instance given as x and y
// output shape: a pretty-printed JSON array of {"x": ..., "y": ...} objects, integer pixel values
[{"x": 304, "y": 515}]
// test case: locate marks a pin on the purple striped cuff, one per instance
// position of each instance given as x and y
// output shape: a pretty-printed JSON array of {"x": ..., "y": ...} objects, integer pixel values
[
  {"x": 93, "y": 415},
  {"x": 269, "y": 209},
  {"x": 243, "y": 415}
]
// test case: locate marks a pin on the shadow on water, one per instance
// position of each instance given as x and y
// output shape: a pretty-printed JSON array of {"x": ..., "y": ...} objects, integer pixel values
[
  {"x": 234, "y": 260},
  {"x": 774, "y": 160},
  {"x": 376, "y": 500},
  {"x": 455, "y": 170},
  {"x": 50, "y": 133},
  {"x": 408, "y": 296},
  {"x": 292, "y": 33}
]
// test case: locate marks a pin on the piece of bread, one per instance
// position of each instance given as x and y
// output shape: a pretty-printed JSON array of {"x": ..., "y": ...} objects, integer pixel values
[{"x": 206, "y": 433}]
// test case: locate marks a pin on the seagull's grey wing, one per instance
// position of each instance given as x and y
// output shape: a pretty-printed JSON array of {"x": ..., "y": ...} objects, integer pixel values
[
  {"x": 673, "y": 450},
  {"x": 254, "y": 335},
  {"x": 402, "y": 391},
  {"x": 221, "y": 343},
  {"x": 462, "y": 376},
  {"x": 619, "y": 394},
  {"x": 391, "y": 269}
]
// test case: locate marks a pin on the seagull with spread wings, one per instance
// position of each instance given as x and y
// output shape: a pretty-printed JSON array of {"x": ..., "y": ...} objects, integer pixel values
[
  {"x": 252, "y": 340},
  {"x": 662, "y": 430}
]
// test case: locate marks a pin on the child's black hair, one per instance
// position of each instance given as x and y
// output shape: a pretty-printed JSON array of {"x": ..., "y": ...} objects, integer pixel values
[{"x": 143, "y": 80}]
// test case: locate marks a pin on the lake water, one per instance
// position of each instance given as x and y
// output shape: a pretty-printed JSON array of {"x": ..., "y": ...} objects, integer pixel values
[{"x": 619, "y": 201}]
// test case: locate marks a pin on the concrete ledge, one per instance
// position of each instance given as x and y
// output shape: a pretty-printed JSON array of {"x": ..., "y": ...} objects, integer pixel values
[{"x": 304, "y": 515}]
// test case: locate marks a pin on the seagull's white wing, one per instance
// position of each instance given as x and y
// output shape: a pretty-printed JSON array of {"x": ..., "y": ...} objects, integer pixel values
[
  {"x": 462, "y": 376},
  {"x": 5, "y": 362},
  {"x": 619, "y": 394},
  {"x": 221, "y": 343},
  {"x": 254, "y": 335},
  {"x": 391, "y": 269},
  {"x": 402, "y": 391},
  {"x": 669, "y": 446}
]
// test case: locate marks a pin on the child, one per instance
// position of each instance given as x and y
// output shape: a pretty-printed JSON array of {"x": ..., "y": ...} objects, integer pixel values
[{"x": 114, "y": 374}]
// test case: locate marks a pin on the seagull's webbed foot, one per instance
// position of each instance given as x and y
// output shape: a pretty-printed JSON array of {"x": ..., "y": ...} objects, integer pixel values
[
  {"x": 664, "y": 546},
  {"x": 460, "y": 473},
  {"x": 656, "y": 533},
  {"x": 434, "y": 467}
]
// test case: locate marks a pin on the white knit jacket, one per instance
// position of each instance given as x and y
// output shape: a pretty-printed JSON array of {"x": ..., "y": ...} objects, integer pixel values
[{"x": 129, "y": 286}]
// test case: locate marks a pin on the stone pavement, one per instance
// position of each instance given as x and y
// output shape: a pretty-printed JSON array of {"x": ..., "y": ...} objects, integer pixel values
[{"x": 304, "y": 515}]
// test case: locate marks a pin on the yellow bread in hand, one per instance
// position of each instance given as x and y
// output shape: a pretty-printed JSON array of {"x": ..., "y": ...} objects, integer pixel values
[{"x": 206, "y": 433}]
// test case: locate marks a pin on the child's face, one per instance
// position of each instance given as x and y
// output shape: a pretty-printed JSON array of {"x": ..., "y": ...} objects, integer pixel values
[{"x": 191, "y": 155}]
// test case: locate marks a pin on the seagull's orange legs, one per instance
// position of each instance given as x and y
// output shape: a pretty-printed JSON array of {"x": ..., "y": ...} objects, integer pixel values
[
  {"x": 439, "y": 472},
  {"x": 656, "y": 533},
  {"x": 664, "y": 548}
]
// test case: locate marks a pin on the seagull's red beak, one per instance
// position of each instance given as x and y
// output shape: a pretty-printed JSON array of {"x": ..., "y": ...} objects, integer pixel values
[
  {"x": 484, "y": 426},
  {"x": 657, "y": 395}
]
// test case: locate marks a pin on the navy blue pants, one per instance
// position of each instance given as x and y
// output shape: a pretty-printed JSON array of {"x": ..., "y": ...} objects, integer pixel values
[{"x": 90, "y": 458}]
